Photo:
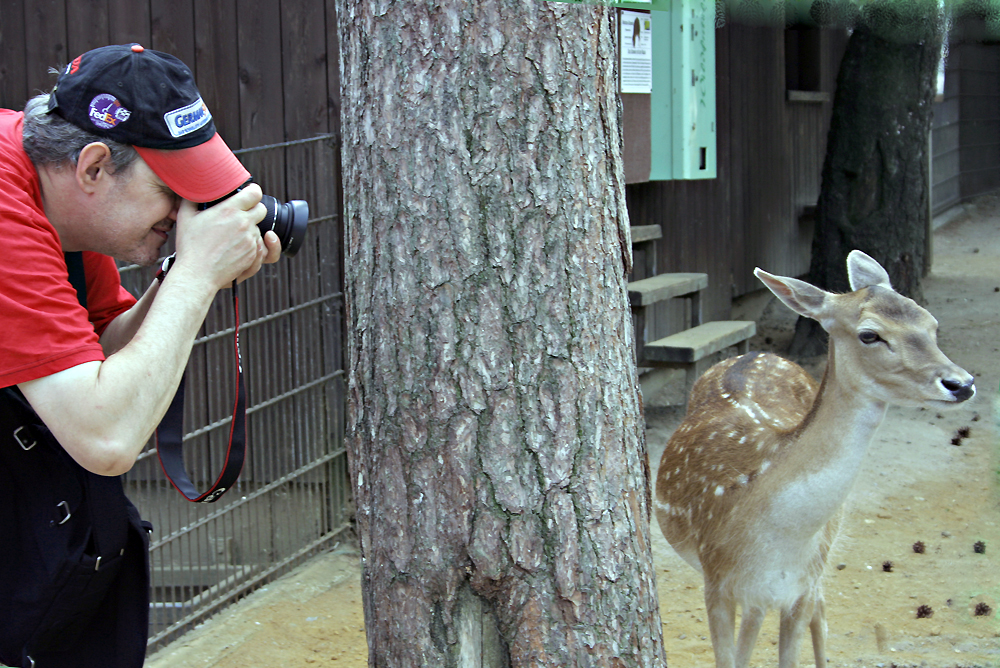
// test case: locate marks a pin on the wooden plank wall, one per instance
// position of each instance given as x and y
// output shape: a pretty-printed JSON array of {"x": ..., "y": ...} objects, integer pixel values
[
  {"x": 770, "y": 158},
  {"x": 965, "y": 131},
  {"x": 978, "y": 73},
  {"x": 945, "y": 141},
  {"x": 264, "y": 67}
]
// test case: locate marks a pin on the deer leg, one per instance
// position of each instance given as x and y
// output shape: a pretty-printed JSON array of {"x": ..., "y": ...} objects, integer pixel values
[
  {"x": 749, "y": 630},
  {"x": 818, "y": 628},
  {"x": 721, "y": 611},
  {"x": 793, "y": 621}
]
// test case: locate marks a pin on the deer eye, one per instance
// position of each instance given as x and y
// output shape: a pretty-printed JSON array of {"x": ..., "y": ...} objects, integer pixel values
[{"x": 868, "y": 337}]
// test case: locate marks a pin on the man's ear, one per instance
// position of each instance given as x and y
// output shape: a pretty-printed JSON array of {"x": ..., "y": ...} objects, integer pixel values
[{"x": 93, "y": 165}]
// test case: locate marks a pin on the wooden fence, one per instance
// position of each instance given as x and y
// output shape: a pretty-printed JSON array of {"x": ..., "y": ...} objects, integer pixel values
[{"x": 267, "y": 69}]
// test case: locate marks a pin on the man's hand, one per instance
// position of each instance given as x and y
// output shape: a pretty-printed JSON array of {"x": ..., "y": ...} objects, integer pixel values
[
  {"x": 268, "y": 252},
  {"x": 223, "y": 243}
]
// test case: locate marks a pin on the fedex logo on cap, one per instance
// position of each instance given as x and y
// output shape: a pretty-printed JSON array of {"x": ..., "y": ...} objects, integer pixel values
[
  {"x": 107, "y": 112},
  {"x": 187, "y": 119}
]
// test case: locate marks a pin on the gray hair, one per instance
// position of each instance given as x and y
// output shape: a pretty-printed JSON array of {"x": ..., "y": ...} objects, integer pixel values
[{"x": 49, "y": 139}]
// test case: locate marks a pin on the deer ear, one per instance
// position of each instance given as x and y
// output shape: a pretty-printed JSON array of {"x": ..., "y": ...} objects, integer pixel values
[
  {"x": 803, "y": 298},
  {"x": 863, "y": 272}
]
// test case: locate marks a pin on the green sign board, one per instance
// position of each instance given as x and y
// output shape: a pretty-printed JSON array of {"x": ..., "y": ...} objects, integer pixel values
[
  {"x": 682, "y": 105},
  {"x": 680, "y": 81}
]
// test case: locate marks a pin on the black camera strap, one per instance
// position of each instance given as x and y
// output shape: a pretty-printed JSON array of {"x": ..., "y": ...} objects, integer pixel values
[{"x": 170, "y": 435}]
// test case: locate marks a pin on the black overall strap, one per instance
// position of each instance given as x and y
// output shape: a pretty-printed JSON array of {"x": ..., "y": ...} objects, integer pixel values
[
  {"x": 170, "y": 435},
  {"x": 110, "y": 525},
  {"x": 74, "y": 266}
]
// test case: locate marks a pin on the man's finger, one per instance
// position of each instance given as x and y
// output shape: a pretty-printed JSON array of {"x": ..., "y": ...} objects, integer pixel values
[{"x": 273, "y": 247}]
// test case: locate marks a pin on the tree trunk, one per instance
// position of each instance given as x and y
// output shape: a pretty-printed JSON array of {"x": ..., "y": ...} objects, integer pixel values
[
  {"x": 875, "y": 190},
  {"x": 495, "y": 434}
]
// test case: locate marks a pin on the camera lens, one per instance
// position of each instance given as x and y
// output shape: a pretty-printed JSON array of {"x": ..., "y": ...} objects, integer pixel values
[{"x": 288, "y": 220}]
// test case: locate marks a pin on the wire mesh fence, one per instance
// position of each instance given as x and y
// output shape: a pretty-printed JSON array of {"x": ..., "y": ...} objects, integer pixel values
[{"x": 292, "y": 498}]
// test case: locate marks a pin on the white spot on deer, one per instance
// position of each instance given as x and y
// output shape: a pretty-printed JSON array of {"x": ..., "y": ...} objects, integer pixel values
[
  {"x": 753, "y": 417},
  {"x": 719, "y": 490}
]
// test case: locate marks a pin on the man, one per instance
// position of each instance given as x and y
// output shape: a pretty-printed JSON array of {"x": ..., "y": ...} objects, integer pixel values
[{"x": 108, "y": 164}]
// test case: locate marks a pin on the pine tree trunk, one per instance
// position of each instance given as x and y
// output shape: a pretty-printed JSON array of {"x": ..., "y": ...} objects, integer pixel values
[
  {"x": 495, "y": 432},
  {"x": 875, "y": 191}
]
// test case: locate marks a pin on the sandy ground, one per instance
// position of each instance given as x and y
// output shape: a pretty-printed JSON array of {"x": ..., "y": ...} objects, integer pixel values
[{"x": 916, "y": 485}]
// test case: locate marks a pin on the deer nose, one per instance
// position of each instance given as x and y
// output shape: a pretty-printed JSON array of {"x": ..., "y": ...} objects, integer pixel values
[{"x": 961, "y": 391}]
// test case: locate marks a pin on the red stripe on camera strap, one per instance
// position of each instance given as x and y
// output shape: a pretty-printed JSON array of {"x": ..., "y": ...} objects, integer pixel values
[{"x": 170, "y": 435}]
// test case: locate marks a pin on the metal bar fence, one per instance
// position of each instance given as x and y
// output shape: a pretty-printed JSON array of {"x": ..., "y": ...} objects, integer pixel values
[{"x": 293, "y": 498}]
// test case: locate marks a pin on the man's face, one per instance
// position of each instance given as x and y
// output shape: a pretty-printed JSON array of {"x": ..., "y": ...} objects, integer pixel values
[{"x": 138, "y": 212}]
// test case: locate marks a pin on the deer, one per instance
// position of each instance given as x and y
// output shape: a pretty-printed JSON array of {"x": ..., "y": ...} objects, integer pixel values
[{"x": 751, "y": 485}]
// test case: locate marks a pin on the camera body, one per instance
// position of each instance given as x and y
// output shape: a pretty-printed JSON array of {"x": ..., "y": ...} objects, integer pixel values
[{"x": 289, "y": 220}]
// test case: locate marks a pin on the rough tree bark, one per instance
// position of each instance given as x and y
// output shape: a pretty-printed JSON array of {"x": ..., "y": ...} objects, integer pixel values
[
  {"x": 875, "y": 187},
  {"x": 495, "y": 434}
]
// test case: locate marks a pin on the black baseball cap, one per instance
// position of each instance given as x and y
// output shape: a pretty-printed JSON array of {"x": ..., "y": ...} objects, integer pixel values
[{"x": 148, "y": 99}]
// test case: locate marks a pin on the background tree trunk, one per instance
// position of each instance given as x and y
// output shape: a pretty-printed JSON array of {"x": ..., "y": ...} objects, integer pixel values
[
  {"x": 495, "y": 431},
  {"x": 875, "y": 189}
]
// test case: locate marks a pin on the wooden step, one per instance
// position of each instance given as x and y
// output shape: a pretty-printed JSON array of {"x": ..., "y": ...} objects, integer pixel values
[
  {"x": 643, "y": 233},
  {"x": 693, "y": 344},
  {"x": 665, "y": 286}
]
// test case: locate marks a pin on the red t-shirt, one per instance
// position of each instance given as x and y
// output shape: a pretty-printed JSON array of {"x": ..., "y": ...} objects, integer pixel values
[{"x": 43, "y": 328}]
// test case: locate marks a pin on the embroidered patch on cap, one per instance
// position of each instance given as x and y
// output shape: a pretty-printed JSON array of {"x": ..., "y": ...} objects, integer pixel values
[
  {"x": 187, "y": 119},
  {"x": 107, "y": 112}
]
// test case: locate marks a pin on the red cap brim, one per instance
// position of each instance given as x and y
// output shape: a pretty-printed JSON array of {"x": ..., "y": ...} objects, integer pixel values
[{"x": 202, "y": 173}]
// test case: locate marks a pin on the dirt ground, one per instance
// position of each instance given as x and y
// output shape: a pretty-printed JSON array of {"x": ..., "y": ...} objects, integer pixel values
[{"x": 916, "y": 485}]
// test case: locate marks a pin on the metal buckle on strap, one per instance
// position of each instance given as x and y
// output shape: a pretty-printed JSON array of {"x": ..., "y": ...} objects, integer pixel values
[
  {"x": 65, "y": 507},
  {"x": 24, "y": 442}
]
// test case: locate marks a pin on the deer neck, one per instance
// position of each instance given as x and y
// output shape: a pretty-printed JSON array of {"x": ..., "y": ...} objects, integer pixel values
[{"x": 823, "y": 460}]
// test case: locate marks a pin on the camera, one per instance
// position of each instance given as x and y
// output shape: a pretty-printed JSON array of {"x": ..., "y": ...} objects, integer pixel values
[{"x": 288, "y": 220}]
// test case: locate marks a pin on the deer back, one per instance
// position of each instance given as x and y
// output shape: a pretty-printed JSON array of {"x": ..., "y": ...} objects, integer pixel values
[{"x": 743, "y": 413}]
